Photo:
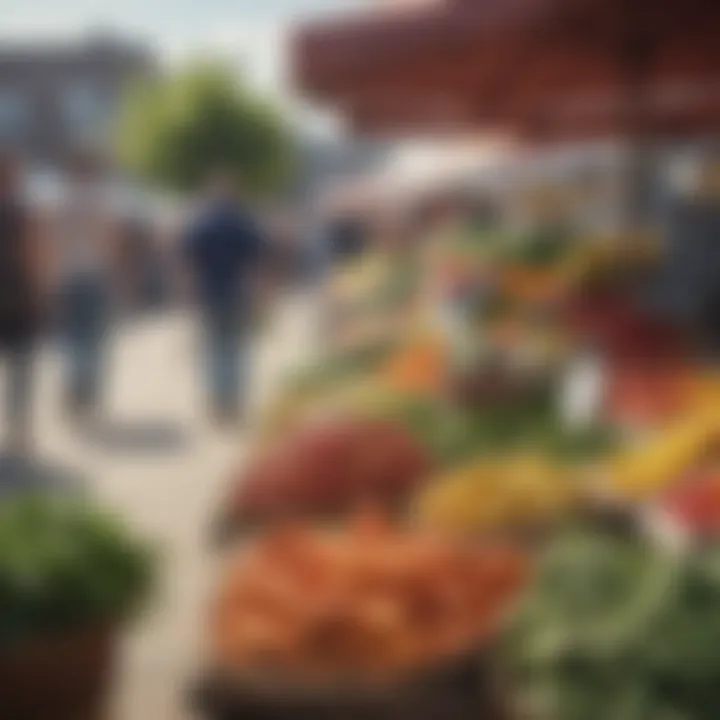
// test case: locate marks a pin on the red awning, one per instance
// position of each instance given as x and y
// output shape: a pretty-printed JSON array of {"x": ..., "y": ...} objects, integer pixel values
[
  {"x": 541, "y": 66},
  {"x": 336, "y": 57}
]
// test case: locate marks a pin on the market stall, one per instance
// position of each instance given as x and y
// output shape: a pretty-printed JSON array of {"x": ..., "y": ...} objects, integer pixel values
[
  {"x": 508, "y": 453},
  {"x": 469, "y": 429}
]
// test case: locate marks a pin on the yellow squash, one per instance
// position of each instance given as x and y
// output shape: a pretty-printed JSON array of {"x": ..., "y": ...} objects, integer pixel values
[{"x": 490, "y": 495}]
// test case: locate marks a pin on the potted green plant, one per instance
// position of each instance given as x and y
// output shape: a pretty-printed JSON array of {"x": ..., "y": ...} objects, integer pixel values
[{"x": 70, "y": 576}]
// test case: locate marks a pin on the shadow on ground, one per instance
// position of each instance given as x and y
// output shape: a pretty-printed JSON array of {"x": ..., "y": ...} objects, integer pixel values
[
  {"x": 29, "y": 474},
  {"x": 138, "y": 436}
]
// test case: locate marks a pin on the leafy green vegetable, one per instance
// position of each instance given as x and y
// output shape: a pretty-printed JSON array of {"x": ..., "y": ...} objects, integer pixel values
[
  {"x": 62, "y": 565},
  {"x": 614, "y": 627},
  {"x": 540, "y": 247}
]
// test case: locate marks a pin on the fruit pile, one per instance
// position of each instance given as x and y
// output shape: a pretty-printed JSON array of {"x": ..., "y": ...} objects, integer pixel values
[
  {"x": 326, "y": 467},
  {"x": 367, "y": 602},
  {"x": 694, "y": 504},
  {"x": 491, "y": 495},
  {"x": 648, "y": 468}
]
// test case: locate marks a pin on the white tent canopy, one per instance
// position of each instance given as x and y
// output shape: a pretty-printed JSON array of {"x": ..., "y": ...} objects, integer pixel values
[{"x": 413, "y": 170}]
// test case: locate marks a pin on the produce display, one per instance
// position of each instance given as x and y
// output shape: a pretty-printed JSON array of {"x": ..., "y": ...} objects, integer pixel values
[
  {"x": 424, "y": 407},
  {"x": 615, "y": 626},
  {"x": 420, "y": 366},
  {"x": 455, "y": 398},
  {"x": 327, "y": 467},
  {"x": 330, "y": 381},
  {"x": 486, "y": 495},
  {"x": 694, "y": 505},
  {"x": 373, "y": 296},
  {"x": 365, "y": 603},
  {"x": 654, "y": 393},
  {"x": 339, "y": 366},
  {"x": 648, "y": 467},
  {"x": 545, "y": 477},
  {"x": 543, "y": 280}
]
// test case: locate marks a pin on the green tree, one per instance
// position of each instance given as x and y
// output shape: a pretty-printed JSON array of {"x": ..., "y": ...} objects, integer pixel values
[{"x": 176, "y": 128}]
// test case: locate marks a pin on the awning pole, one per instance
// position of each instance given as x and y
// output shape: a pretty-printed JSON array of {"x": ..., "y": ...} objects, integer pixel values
[{"x": 636, "y": 54}]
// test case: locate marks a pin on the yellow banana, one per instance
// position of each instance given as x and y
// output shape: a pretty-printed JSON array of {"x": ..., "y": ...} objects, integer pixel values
[{"x": 653, "y": 465}]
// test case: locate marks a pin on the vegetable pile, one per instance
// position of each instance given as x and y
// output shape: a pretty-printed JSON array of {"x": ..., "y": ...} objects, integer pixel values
[
  {"x": 358, "y": 603},
  {"x": 615, "y": 626}
]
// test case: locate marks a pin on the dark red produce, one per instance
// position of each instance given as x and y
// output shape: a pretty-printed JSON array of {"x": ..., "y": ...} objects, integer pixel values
[{"x": 329, "y": 467}]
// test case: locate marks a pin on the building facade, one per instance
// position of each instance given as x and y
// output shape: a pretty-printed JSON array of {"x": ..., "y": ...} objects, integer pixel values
[{"x": 56, "y": 98}]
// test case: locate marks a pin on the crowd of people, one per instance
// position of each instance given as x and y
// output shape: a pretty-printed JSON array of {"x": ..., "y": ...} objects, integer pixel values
[{"x": 65, "y": 273}]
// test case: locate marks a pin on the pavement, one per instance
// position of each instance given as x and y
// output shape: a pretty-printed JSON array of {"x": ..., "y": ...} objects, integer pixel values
[{"x": 162, "y": 468}]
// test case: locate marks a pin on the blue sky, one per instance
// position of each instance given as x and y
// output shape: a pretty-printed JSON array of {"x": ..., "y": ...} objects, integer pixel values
[{"x": 250, "y": 32}]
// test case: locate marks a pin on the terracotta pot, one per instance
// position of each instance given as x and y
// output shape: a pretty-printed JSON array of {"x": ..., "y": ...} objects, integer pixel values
[{"x": 58, "y": 677}]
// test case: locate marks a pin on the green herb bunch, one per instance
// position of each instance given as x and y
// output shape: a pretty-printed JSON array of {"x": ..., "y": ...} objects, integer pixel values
[{"x": 65, "y": 565}]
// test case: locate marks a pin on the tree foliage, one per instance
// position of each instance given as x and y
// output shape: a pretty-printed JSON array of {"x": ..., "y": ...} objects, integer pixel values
[{"x": 176, "y": 128}]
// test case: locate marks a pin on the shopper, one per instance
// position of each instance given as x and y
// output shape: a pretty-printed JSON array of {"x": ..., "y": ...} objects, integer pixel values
[
  {"x": 20, "y": 302},
  {"x": 85, "y": 254},
  {"x": 223, "y": 249}
]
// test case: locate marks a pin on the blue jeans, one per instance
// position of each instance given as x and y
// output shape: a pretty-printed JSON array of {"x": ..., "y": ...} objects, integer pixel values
[
  {"x": 224, "y": 354},
  {"x": 84, "y": 318}
]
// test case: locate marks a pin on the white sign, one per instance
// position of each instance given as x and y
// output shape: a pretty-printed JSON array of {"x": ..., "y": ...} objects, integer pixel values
[{"x": 582, "y": 392}]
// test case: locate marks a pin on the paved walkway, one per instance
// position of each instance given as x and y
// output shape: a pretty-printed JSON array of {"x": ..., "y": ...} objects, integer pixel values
[{"x": 162, "y": 468}]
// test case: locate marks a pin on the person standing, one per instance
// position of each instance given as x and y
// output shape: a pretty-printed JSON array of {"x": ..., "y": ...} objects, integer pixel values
[
  {"x": 223, "y": 250},
  {"x": 84, "y": 257},
  {"x": 21, "y": 274}
]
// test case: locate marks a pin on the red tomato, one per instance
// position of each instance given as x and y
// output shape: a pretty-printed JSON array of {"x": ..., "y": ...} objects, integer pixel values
[
  {"x": 696, "y": 503},
  {"x": 646, "y": 393}
]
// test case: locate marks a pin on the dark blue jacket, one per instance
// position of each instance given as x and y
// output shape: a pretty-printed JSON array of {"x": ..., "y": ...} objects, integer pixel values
[{"x": 223, "y": 247}]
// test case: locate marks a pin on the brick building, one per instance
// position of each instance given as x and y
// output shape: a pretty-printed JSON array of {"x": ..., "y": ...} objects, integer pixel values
[{"x": 57, "y": 97}]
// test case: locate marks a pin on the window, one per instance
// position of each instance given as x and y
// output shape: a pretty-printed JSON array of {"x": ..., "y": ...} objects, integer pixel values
[
  {"x": 84, "y": 110},
  {"x": 13, "y": 113}
]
